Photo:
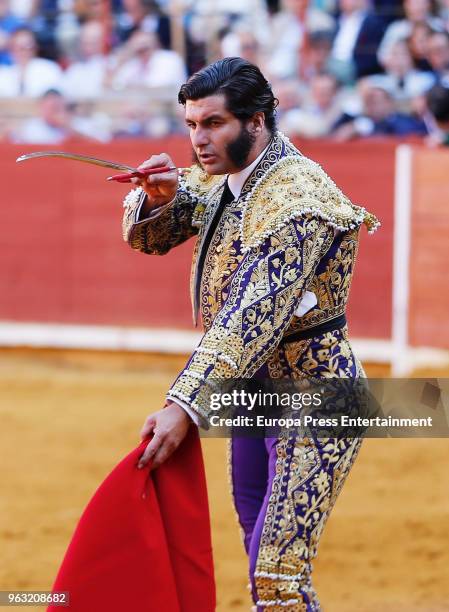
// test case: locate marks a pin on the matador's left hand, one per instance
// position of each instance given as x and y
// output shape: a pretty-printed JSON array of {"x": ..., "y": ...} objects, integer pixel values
[{"x": 169, "y": 427}]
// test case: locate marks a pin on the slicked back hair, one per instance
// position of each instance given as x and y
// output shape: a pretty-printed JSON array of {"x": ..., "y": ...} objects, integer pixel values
[{"x": 245, "y": 88}]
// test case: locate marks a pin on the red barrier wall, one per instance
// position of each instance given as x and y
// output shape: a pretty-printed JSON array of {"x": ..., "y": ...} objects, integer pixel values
[
  {"x": 429, "y": 293},
  {"x": 63, "y": 259}
]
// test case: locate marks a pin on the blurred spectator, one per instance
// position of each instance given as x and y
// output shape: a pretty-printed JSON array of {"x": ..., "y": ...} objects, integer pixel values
[
  {"x": 90, "y": 10},
  {"x": 24, "y": 9},
  {"x": 90, "y": 123},
  {"x": 55, "y": 19},
  {"x": 145, "y": 15},
  {"x": 359, "y": 32},
  {"x": 416, "y": 12},
  {"x": 224, "y": 13},
  {"x": 132, "y": 120},
  {"x": 141, "y": 63},
  {"x": 28, "y": 75},
  {"x": 438, "y": 53},
  {"x": 317, "y": 55},
  {"x": 288, "y": 37},
  {"x": 210, "y": 27},
  {"x": 111, "y": 47},
  {"x": 288, "y": 93},
  {"x": 57, "y": 121},
  {"x": 329, "y": 6},
  {"x": 443, "y": 12},
  {"x": 236, "y": 8},
  {"x": 438, "y": 105},
  {"x": 318, "y": 112},
  {"x": 195, "y": 42},
  {"x": 137, "y": 120},
  {"x": 388, "y": 10},
  {"x": 418, "y": 44},
  {"x": 70, "y": 15},
  {"x": 67, "y": 30},
  {"x": 242, "y": 42},
  {"x": 84, "y": 78},
  {"x": 8, "y": 24},
  {"x": 52, "y": 126},
  {"x": 379, "y": 116},
  {"x": 401, "y": 78}
]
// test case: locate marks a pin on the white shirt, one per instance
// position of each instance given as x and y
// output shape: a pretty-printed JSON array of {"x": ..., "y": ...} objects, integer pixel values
[
  {"x": 238, "y": 179},
  {"x": 39, "y": 76},
  {"x": 348, "y": 31},
  {"x": 164, "y": 69},
  {"x": 84, "y": 80},
  {"x": 308, "y": 301},
  {"x": 415, "y": 83}
]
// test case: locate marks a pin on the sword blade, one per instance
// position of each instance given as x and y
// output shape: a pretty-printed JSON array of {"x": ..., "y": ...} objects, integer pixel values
[{"x": 77, "y": 157}]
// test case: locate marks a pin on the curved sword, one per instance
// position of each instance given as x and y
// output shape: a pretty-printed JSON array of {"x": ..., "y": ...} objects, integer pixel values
[{"x": 76, "y": 157}]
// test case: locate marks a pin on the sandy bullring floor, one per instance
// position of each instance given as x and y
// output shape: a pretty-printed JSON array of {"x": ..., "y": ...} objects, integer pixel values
[{"x": 68, "y": 417}]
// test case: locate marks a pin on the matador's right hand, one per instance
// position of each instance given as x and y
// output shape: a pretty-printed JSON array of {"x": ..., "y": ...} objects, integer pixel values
[{"x": 160, "y": 188}]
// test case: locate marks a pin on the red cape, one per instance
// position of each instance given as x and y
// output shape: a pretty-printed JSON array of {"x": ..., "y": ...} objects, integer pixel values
[{"x": 143, "y": 542}]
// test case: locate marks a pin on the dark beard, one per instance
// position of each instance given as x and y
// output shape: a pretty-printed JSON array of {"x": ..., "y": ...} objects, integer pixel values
[{"x": 239, "y": 149}]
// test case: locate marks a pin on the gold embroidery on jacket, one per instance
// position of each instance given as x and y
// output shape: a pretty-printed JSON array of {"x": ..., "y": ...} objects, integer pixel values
[
  {"x": 246, "y": 328},
  {"x": 248, "y": 293}
]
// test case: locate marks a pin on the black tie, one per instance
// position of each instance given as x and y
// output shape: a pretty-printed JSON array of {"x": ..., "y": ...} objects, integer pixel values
[{"x": 226, "y": 198}]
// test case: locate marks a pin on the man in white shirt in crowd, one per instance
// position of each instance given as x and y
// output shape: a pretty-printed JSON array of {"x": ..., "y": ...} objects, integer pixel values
[
  {"x": 141, "y": 63},
  {"x": 28, "y": 75},
  {"x": 84, "y": 78}
]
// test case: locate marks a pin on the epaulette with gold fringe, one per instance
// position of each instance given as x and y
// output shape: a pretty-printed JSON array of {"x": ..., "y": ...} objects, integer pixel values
[{"x": 293, "y": 187}]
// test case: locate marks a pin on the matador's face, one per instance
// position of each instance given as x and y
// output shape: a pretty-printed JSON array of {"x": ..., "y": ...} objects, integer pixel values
[{"x": 215, "y": 134}]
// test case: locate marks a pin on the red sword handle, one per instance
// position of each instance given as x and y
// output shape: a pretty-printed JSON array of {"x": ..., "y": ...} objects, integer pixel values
[{"x": 126, "y": 178}]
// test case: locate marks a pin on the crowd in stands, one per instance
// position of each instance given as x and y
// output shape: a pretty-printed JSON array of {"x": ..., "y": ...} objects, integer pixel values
[{"x": 341, "y": 69}]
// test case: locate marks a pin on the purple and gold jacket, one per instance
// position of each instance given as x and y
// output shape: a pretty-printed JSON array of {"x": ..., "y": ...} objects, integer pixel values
[{"x": 291, "y": 230}]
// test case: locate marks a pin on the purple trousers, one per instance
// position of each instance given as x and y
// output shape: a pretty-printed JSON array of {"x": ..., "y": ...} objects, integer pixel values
[{"x": 284, "y": 490}]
